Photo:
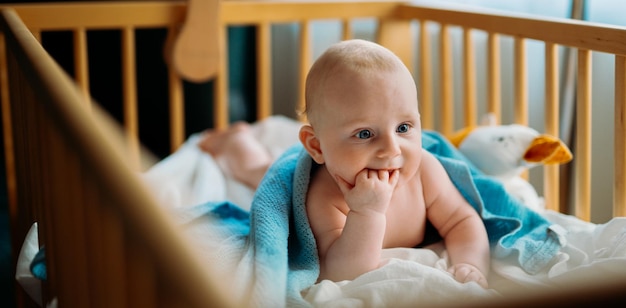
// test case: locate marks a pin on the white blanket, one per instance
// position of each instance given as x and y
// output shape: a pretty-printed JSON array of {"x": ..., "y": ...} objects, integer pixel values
[{"x": 190, "y": 177}]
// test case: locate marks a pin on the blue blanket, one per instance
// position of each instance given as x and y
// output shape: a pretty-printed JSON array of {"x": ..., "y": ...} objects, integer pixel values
[{"x": 281, "y": 246}]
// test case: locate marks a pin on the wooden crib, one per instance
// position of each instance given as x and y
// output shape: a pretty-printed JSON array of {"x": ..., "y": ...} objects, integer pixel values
[{"x": 62, "y": 152}]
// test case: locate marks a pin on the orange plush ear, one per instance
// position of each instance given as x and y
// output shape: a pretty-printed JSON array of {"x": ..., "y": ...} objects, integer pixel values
[
  {"x": 547, "y": 150},
  {"x": 460, "y": 135}
]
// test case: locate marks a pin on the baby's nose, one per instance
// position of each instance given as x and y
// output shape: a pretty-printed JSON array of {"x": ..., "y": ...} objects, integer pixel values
[{"x": 389, "y": 147}]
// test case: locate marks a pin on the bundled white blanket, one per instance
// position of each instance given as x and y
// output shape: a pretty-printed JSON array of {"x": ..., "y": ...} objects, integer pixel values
[{"x": 190, "y": 177}]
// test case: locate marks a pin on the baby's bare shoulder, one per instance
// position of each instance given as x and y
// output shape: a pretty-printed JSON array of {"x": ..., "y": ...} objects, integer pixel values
[
  {"x": 323, "y": 191},
  {"x": 431, "y": 170}
]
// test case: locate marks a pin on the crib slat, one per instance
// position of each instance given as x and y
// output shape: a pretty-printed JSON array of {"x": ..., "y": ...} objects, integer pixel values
[
  {"x": 346, "y": 27},
  {"x": 112, "y": 243},
  {"x": 583, "y": 137},
  {"x": 175, "y": 93},
  {"x": 520, "y": 105},
  {"x": 45, "y": 212},
  {"x": 130, "y": 92},
  {"x": 66, "y": 206},
  {"x": 551, "y": 172},
  {"x": 9, "y": 156},
  {"x": 43, "y": 206},
  {"x": 264, "y": 71},
  {"x": 142, "y": 276},
  {"x": 176, "y": 110},
  {"x": 394, "y": 35},
  {"x": 304, "y": 62},
  {"x": 493, "y": 75},
  {"x": 446, "y": 73},
  {"x": 619, "y": 182},
  {"x": 425, "y": 80},
  {"x": 93, "y": 234},
  {"x": 81, "y": 69},
  {"x": 220, "y": 109},
  {"x": 105, "y": 260},
  {"x": 469, "y": 78},
  {"x": 521, "y": 82}
]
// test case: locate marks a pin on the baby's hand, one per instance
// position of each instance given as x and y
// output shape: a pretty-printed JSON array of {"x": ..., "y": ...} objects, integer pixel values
[
  {"x": 464, "y": 272},
  {"x": 372, "y": 190}
]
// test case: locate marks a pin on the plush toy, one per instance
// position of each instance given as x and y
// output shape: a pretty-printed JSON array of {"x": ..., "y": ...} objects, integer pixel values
[{"x": 505, "y": 151}]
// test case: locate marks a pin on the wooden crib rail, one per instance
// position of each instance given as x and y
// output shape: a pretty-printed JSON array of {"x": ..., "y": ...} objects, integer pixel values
[
  {"x": 585, "y": 37},
  {"x": 68, "y": 165}
]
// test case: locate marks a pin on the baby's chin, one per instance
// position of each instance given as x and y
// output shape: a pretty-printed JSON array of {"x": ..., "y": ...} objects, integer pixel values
[{"x": 405, "y": 177}]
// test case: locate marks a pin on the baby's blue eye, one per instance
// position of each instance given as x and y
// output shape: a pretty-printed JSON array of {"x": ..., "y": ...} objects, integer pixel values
[
  {"x": 403, "y": 128},
  {"x": 364, "y": 134}
]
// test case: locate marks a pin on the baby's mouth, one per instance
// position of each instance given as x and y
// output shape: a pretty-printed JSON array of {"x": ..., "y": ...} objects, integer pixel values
[{"x": 386, "y": 169}]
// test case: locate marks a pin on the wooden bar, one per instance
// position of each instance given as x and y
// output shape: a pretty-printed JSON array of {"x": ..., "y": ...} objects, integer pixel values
[
  {"x": 425, "y": 80},
  {"x": 493, "y": 76},
  {"x": 81, "y": 68},
  {"x": 304, "y": 63},
  {"x": 176, "y": 105},
  {"x": 347, "y": 29},
  {"x": 551, "y": 109},
  {"x": 446, "y": 74},
  {"x": 46, "y": 206},
  {"x": 66, "y": 16},
  {"x": 70, "y": 256},
  {"x": 176, "y": 110},
  {"x": 142, "y": 275},
  {"x": 129, "y": 79},
  {"x": 394, "y": 35},
  {"x": 220, "y": 109},
  {"x": 469, "y": 79},
  {"x": 47, "y": 236},
  {"x": 93, "y": 232},
  {"x": 582, "y": 185},
  {"x": 9, "y": 149},
  {"x": 264, "y": 71},
  {"x": 113, "y": 241},
  {"x": 619, "y": 182},
  {"x": 246, "y": 12},
  {"x": 521, "y": 82}
]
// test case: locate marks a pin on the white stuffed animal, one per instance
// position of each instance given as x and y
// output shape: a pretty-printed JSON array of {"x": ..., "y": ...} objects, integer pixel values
[{"x": 505, "y": 151}]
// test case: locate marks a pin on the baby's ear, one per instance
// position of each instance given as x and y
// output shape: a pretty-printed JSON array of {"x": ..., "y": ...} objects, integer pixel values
[{"x": 311, "y": 143}]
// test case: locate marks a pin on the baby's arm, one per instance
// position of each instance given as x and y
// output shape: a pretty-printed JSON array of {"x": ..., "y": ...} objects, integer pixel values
[
  {"x": 457, "y": 222},
  {"x": 351, "y": 248}
]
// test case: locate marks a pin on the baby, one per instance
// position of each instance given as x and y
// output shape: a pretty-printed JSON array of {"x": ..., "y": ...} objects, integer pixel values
[{"x": 373, "y": 186}]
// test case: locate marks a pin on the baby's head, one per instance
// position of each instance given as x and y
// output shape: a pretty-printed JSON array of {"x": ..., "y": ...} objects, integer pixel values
[
  {"x": 335, "y": 68},
  {"x": 361, "y": 103}
]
